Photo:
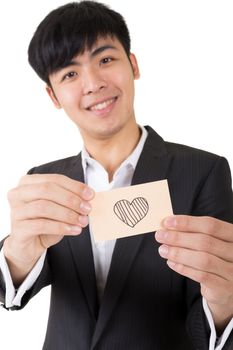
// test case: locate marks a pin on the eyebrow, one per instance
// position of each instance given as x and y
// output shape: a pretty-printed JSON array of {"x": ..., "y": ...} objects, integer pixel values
[
  {"x": 101, "y": 49},
  {"x": 93, "y": 54}
]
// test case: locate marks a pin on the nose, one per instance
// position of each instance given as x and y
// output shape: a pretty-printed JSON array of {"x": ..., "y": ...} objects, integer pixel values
[{"x": 93, "y": 82}]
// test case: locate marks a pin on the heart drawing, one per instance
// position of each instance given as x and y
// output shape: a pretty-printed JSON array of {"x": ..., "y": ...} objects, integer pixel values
[{"x": 131, "y": 213}]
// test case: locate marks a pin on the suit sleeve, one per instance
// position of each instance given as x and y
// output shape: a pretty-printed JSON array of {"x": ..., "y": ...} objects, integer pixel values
[
  {"x": 214, "y": 199},
  {"x": 42, "y": 281}
]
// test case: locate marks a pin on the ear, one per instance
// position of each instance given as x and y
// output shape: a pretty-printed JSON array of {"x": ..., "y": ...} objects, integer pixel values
[
  {"x": 53, "y": 97},
  {"x": 134, "y": 65}
]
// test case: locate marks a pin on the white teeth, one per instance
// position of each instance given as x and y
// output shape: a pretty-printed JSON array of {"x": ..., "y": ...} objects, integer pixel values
[{"x": 102, "y": 105}]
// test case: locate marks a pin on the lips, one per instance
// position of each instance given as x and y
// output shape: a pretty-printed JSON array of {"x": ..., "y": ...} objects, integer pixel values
[{"x": 100, "y": 106}]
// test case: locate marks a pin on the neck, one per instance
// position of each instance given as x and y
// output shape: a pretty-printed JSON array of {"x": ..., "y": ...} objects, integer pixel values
[{"x": 112, "y": 151}]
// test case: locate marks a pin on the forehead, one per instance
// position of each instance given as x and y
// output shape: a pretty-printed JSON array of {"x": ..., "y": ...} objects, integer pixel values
[
  {"x": 101, "y": 45},
  {"x": 110, "y": 42}
]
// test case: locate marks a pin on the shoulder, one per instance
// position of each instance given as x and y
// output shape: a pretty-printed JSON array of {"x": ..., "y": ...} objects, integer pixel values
[
  {"x": 194, "y": 157},
  {"x": 156, "y": 145},
  {"x": 197, "y": 164},
  {"x": 60, "y": 166},
  {"x": 181, "y": 151}
]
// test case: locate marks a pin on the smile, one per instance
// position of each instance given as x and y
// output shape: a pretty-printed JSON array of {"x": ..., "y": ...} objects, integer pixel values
[{"x": 103, "y": 105}]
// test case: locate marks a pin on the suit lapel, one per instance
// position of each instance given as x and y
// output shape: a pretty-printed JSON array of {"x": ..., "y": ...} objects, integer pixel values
[
  {"x": 153, "y": 165},
  {"x": 82, "y": 252}
]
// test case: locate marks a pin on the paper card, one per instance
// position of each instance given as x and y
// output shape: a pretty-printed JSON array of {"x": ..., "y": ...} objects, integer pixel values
[{"x": 128, "y": 211}]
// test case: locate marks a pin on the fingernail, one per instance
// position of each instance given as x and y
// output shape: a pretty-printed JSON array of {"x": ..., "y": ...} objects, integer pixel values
[
  {"x": 170, "y": 222},
  {"x": 161, "y": 234},
  {"x": 88, "y": 193},
  {"x": 74, "y": 230},
  {"x": 163, "y": 250},
  {"x": 83, "y": 220},
  {"x": 86, "y": 207},
  {"x": 171, "y": 264}
]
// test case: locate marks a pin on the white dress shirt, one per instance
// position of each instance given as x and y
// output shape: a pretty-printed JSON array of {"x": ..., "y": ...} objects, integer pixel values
[{"x": 97, "y": 178}]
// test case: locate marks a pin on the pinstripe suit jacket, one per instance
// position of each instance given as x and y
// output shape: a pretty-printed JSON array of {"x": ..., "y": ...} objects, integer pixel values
[{"x": 145, "y": 306}]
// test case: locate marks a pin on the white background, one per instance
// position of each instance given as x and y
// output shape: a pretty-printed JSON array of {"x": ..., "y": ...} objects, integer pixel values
[{"x": 185, "y": 53}]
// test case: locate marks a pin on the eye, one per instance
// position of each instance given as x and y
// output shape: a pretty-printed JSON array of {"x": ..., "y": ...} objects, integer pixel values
[
  {"x": 106, "y": 60},
  {"x": 69, "y": 75}
]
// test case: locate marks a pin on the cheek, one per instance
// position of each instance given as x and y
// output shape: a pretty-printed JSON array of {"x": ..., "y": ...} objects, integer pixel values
[
  {"x": 69, "y": 98},
  {"x": 129, "y": 91},
  {"x": 125, "y": 81}
]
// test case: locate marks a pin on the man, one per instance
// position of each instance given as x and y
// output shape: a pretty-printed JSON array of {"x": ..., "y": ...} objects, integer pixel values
[{"x": 123, "y": 294}]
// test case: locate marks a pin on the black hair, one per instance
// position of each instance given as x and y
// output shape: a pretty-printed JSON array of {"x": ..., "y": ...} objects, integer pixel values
[{"x": 71, "y": 29}]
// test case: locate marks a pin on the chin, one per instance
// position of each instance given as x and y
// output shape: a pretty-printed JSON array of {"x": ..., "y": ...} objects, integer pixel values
[{"x": 108, "y": 132}]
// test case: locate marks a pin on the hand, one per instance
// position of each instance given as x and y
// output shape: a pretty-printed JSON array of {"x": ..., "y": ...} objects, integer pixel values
[
  {"x": 201, "y": 248},
  {"x": 44, "y": 209}
]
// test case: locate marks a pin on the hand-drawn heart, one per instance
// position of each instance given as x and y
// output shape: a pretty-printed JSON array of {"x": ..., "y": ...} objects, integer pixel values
[{"x": 131, "y": 213}]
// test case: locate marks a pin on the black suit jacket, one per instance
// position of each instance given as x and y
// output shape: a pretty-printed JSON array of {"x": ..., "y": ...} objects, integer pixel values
[{"x": 145, "y": 306}]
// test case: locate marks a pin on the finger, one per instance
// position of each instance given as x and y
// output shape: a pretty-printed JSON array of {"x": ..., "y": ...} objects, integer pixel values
[
  {"x": 197, "y": 241},
  {"x": 49, "y": 210},
  {"x": 210, "y": 281},
  {"x": 69, "y": 184},
  {"x": 198, "y": 260},
  {"x": 213, "y": 288},
  {"x": 203, "y": 224},
  {"x": 51, "y": 192},
  {"x": 36, "y": 227}
]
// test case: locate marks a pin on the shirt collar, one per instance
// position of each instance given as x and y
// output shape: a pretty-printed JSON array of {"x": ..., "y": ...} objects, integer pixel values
[{"x": 130, "y": 161}]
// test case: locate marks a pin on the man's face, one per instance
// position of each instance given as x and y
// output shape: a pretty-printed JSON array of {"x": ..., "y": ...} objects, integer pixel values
[{"x": 96, "y": 89}]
